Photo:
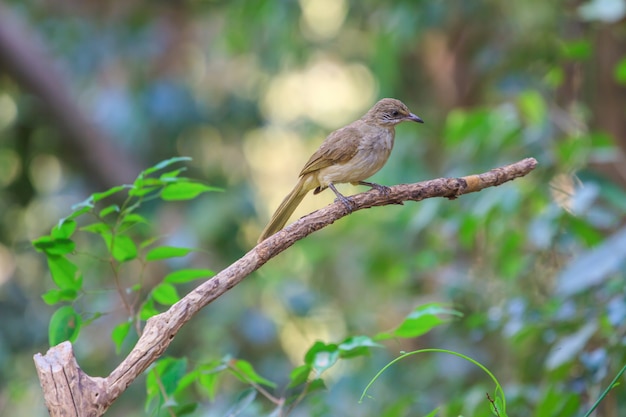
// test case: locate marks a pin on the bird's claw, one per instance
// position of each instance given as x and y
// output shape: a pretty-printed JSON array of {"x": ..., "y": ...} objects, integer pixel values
[
  {"x": 382, "y": 189},
  {"x": 346, "y": 202}
]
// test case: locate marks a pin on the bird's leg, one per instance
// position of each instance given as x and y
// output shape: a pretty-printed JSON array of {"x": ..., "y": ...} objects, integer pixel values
[
  {"x": 345, "y": 200},
  {"x": 383, "y": 189}
]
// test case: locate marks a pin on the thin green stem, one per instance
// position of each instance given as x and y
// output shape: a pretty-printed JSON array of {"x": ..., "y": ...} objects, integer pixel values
[
  {"x": 606, "y": 391},
  {"x": 460, "y": 355}
]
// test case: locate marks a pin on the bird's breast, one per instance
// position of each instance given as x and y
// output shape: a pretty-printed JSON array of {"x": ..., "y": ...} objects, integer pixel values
[{"x": 371, "y": 155}]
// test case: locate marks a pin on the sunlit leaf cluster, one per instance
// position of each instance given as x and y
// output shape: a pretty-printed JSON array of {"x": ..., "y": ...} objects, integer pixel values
[{"x": 115, "y": 225}]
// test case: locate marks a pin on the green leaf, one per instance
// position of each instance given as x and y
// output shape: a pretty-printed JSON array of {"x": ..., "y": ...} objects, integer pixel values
[
  {"x": 148, "y": 242},
  {"x": 455, "y": 126},
  {"x": 186, "y": 275},
  {"x": 164, "y": 376},
  {"x": 64, "y": 325},
  {"x": 134, "y": 218},
  {"x": 246, "y": 373},
  {"x": 100, "y": 196},
  {"x": 64, "y": 229},
  {"x": 141, "y": 183},
  {"x": 299, "y": 375},
  {"x": 165, "y": 294},
  {"x": 171, "y": 371},
  {"x": 164, "y": 164},
  {"x": 209, "y": 376},
  {"x": 94, "y": 316},
  {"x": 321, "y": 356},
  {"x": 143, "y": 186},
  {"x": 140, "y": 192},
  {"x": 113, "y": 208},
  {"x": 468, "y": 229},
  {"x": 52, "y": 297},
  {"x": 555, "y": 402},
  {"x": 573, "y": 152},
  {"x": 554, "y": 77},
  {"x": 356, "y": 346},
  {"x": 64, "y": 273},
  {"x": 577, "y": 50},
  {"x": 80, "y": 211},
  {"x": 123, "y": 248},
  {"x": 210, "y": 383},
  {"x": 98, "y": 228},
  {"x": 244, "y": 399},
  {"x": 52, "y": 246},
  {"x": 82, "y": 207},
  {"x": 188, "y": 379},
  {"x": 171, "y": 174},
  {"x": 316, "y": 385},
  {"x": 464, "y": 128},
  {"x": 496, "y": 407},
  {"x": 56, "y": 296},
  {"x": 185, "y": 191},
  {"x": 181, "y": 410},
  {"x": 324, "y": 360},
  {"x": 432, "y": 413},
  {"x": 620, "y": 71},
  {"x": 533, "y": 107},
  {"x": 165, "y": 252},
  {"x": 420, "y": 321},
  {"x": 118, "y": 335},
  {"x": 148, "y": 309}
]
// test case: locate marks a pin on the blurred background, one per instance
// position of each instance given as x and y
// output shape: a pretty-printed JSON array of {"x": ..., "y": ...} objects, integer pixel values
[{"x": 93, "y": 92}]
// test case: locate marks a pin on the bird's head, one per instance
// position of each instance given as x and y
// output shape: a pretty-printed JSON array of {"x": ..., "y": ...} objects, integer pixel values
[{"x": 389, "y": 112}]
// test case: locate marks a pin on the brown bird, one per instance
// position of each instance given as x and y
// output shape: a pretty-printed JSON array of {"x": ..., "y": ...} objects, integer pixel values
[{"x": 350, "y": 154}]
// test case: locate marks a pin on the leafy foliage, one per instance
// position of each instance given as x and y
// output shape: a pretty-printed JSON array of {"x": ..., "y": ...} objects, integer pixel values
[
  {"x": 168, "y": 379},
  {"x": 122, "y": 246}
]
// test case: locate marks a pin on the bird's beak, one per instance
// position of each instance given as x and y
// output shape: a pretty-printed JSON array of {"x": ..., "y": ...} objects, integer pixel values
[{"x": 415, "y": 118}]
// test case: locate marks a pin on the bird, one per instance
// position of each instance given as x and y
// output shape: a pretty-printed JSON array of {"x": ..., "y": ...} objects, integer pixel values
[{"x": 350, "y": 154}]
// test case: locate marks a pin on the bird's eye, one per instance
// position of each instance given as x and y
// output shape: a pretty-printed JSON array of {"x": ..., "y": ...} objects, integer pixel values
[{"x": 395, "y": 113}]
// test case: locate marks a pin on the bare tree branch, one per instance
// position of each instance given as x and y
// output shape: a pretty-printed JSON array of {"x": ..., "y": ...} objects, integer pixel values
[{"x": 68, "y": 391}]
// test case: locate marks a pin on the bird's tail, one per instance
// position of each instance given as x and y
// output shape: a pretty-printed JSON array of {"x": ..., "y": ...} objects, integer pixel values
[{"x": 287, "y": 207}]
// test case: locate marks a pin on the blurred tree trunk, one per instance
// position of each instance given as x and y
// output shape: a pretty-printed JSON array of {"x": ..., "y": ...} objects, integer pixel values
[
  {"x": 25, "y": 60},
  {"x": 609, "y": 98}
]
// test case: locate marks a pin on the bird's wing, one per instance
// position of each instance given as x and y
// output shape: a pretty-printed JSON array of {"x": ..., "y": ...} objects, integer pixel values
[{"x": 340, "y": 146}]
